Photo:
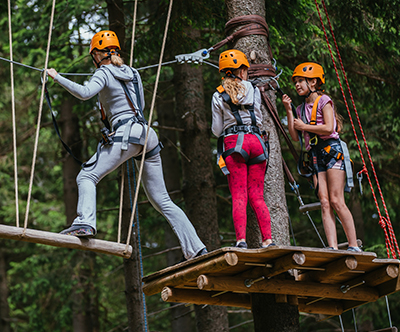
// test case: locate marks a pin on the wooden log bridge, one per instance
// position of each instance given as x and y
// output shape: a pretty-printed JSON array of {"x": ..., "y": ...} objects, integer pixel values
[
  {"x": 321, "y": 281},
  {"x": 65, "y": 241}
]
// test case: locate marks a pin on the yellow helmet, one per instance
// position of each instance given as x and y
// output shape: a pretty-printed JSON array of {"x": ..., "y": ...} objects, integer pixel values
[
  {"x": 232, "y": 59},
  {"x": 309, "y": 70},
  {"x": 104, "y": 39}
]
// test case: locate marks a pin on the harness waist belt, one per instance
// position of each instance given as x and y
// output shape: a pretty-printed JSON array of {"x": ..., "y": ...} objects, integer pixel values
[
  {"x": 242, "y": 128},
  {"x": 122, "y": 122}
]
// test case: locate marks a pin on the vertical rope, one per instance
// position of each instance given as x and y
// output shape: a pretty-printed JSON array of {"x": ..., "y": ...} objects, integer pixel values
[
  {"x": 390, "y": 240},
  {"x": 133, "y": 33},
  {"x": 13, "y": 117},
  {"x": 150, "y": 118},
  {"x": 121, "y": 201},
  {"x": 39, "y": 118},
  {"x": 136, "y": 212}
]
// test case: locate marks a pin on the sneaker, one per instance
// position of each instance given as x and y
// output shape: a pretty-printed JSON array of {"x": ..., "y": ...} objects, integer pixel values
[
  {"x": 200, "y": 253},
  {"x": 330, "y": 248},
  {"x": 268, "y": 245},
  {"x": 354, "y": 249},
  {"x": 242, "y": 245},
  {"x": 80, "y": 231}
]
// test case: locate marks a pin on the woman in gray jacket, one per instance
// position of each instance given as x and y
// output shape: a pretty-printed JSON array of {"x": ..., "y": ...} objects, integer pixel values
[{"x": 121, "y": 100}]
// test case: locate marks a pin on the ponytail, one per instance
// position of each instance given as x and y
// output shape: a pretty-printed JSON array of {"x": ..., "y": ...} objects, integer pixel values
[{"x": 233, "y": 87}]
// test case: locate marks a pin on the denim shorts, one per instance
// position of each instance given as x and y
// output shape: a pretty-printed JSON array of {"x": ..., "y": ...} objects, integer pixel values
[{"x": 325, "y": 161}]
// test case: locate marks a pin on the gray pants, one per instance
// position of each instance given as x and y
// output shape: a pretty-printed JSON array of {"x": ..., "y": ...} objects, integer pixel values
[{"x": 110, "y": 158}]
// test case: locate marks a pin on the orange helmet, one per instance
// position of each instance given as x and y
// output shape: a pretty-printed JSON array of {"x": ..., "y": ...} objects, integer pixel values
[
  {"x": 309, "y": 70},
  {"x": 232, "y": 59},
  {"x": 104, "y": 39}
]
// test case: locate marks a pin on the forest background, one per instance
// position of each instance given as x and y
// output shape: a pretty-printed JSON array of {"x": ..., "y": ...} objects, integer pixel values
[{"x": 44, "y": 288}]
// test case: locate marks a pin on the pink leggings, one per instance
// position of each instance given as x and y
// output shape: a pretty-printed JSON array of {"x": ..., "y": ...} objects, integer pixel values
[{"x": 246, "y": 182}]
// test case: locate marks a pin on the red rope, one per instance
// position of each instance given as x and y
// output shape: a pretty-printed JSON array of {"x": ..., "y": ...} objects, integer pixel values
[{"x": 384, "y": 222}]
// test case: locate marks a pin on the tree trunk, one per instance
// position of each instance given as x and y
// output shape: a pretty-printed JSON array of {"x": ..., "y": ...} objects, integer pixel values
[
  {"x": 4, "y": 308},
  {"x": 199, "y": 186},
  {"x": 180, "y": 320},
  {"x": 82, "y": 309},
  {"x": 132, "y": 267},
  {"x": 70, "y": 133},
  {"x": 198, "y": 179},
  {"x": 132, "y": 270},
  {"x": 268, "y": 315}
]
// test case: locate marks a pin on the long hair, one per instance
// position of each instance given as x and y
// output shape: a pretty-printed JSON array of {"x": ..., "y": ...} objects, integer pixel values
[
  {"x": 339, "y": 118},
  {"x": 234, "y": 87}
]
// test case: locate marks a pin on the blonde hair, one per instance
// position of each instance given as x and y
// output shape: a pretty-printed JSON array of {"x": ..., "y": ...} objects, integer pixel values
[
  {"x": 234, "y": 88},
  {"x": 115, "y": 59}
]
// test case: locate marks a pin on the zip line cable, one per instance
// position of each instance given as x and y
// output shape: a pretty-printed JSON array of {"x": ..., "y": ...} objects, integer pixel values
[{"x": 13, "y": 118}]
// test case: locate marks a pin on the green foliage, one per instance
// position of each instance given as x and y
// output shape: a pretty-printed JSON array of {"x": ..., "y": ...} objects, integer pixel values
[{"x": 42, "y": 279}]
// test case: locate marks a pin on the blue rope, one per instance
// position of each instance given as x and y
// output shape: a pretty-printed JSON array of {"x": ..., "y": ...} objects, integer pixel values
[{"x": 138, "y": 231}]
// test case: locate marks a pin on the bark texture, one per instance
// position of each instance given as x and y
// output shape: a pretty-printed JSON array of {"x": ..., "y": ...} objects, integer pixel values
[
  {"x": 4, "y": 308},
  {"x": 198, "y": 179},
  {"x": 179, "y": 317},
  {"x": 268, "y": 315}
]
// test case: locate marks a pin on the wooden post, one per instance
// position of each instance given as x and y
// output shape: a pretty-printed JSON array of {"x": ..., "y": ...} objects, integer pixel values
[
  {"x": 64, "y": 241},
  {"x": 195, "y": 296},
  {"x": 289, "y": 287},
  {"x": 190, "y": 273}
]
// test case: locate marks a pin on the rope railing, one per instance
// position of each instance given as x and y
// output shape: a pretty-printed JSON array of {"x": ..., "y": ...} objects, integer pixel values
[
  {"x": 39, "y": 119},
  {"x": 13, "y": 118}
]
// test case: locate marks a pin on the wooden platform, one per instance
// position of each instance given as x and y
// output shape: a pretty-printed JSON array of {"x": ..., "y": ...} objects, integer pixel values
[
  {"x": 65, "y": 241},
  {"x": 317, "y": 280}
]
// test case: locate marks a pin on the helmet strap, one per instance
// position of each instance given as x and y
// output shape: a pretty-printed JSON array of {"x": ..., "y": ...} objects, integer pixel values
[
  {"x": 310, "y": 91},
  {"x": 109, "y": 53},
  {"x": 229, "y": 73}
]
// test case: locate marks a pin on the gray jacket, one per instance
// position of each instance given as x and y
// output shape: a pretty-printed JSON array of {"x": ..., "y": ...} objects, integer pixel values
[{"x": 105, "y": 83}]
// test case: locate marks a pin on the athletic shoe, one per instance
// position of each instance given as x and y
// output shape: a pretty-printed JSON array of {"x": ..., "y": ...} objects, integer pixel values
[
  {"x": 268, "y": 245},
  {"x": 242, "y": 245},
  {"x": 355, "y": 249},
  {"x": 80, "y": 231}
]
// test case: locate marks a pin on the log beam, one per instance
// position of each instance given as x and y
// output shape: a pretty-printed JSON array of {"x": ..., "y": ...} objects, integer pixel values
[
  {"x": 331, "y": 308},
  {"x": 288, "y": 287},
  {"x": 286, "y": 263},
  {"x": 64, "y": 241},
  {"x": 333, "y": 269},
  {"x": 191, "y": 273},
  {"x": 195, "y": 296}
]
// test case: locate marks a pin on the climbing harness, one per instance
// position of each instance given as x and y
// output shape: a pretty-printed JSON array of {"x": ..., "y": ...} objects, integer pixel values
[
  {"x": 240, "y": 129},
  {"x": 317, "y": 144}
]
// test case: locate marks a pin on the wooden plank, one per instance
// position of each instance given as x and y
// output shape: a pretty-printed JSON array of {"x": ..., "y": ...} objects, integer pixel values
[
  {"x": 332, "y": 270},
  {"x": 64, "y": 241},
  {"x": 190, "y": 273},
  {"x": 169, "y": 294},
  {"x": 289, "y": 287}
]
